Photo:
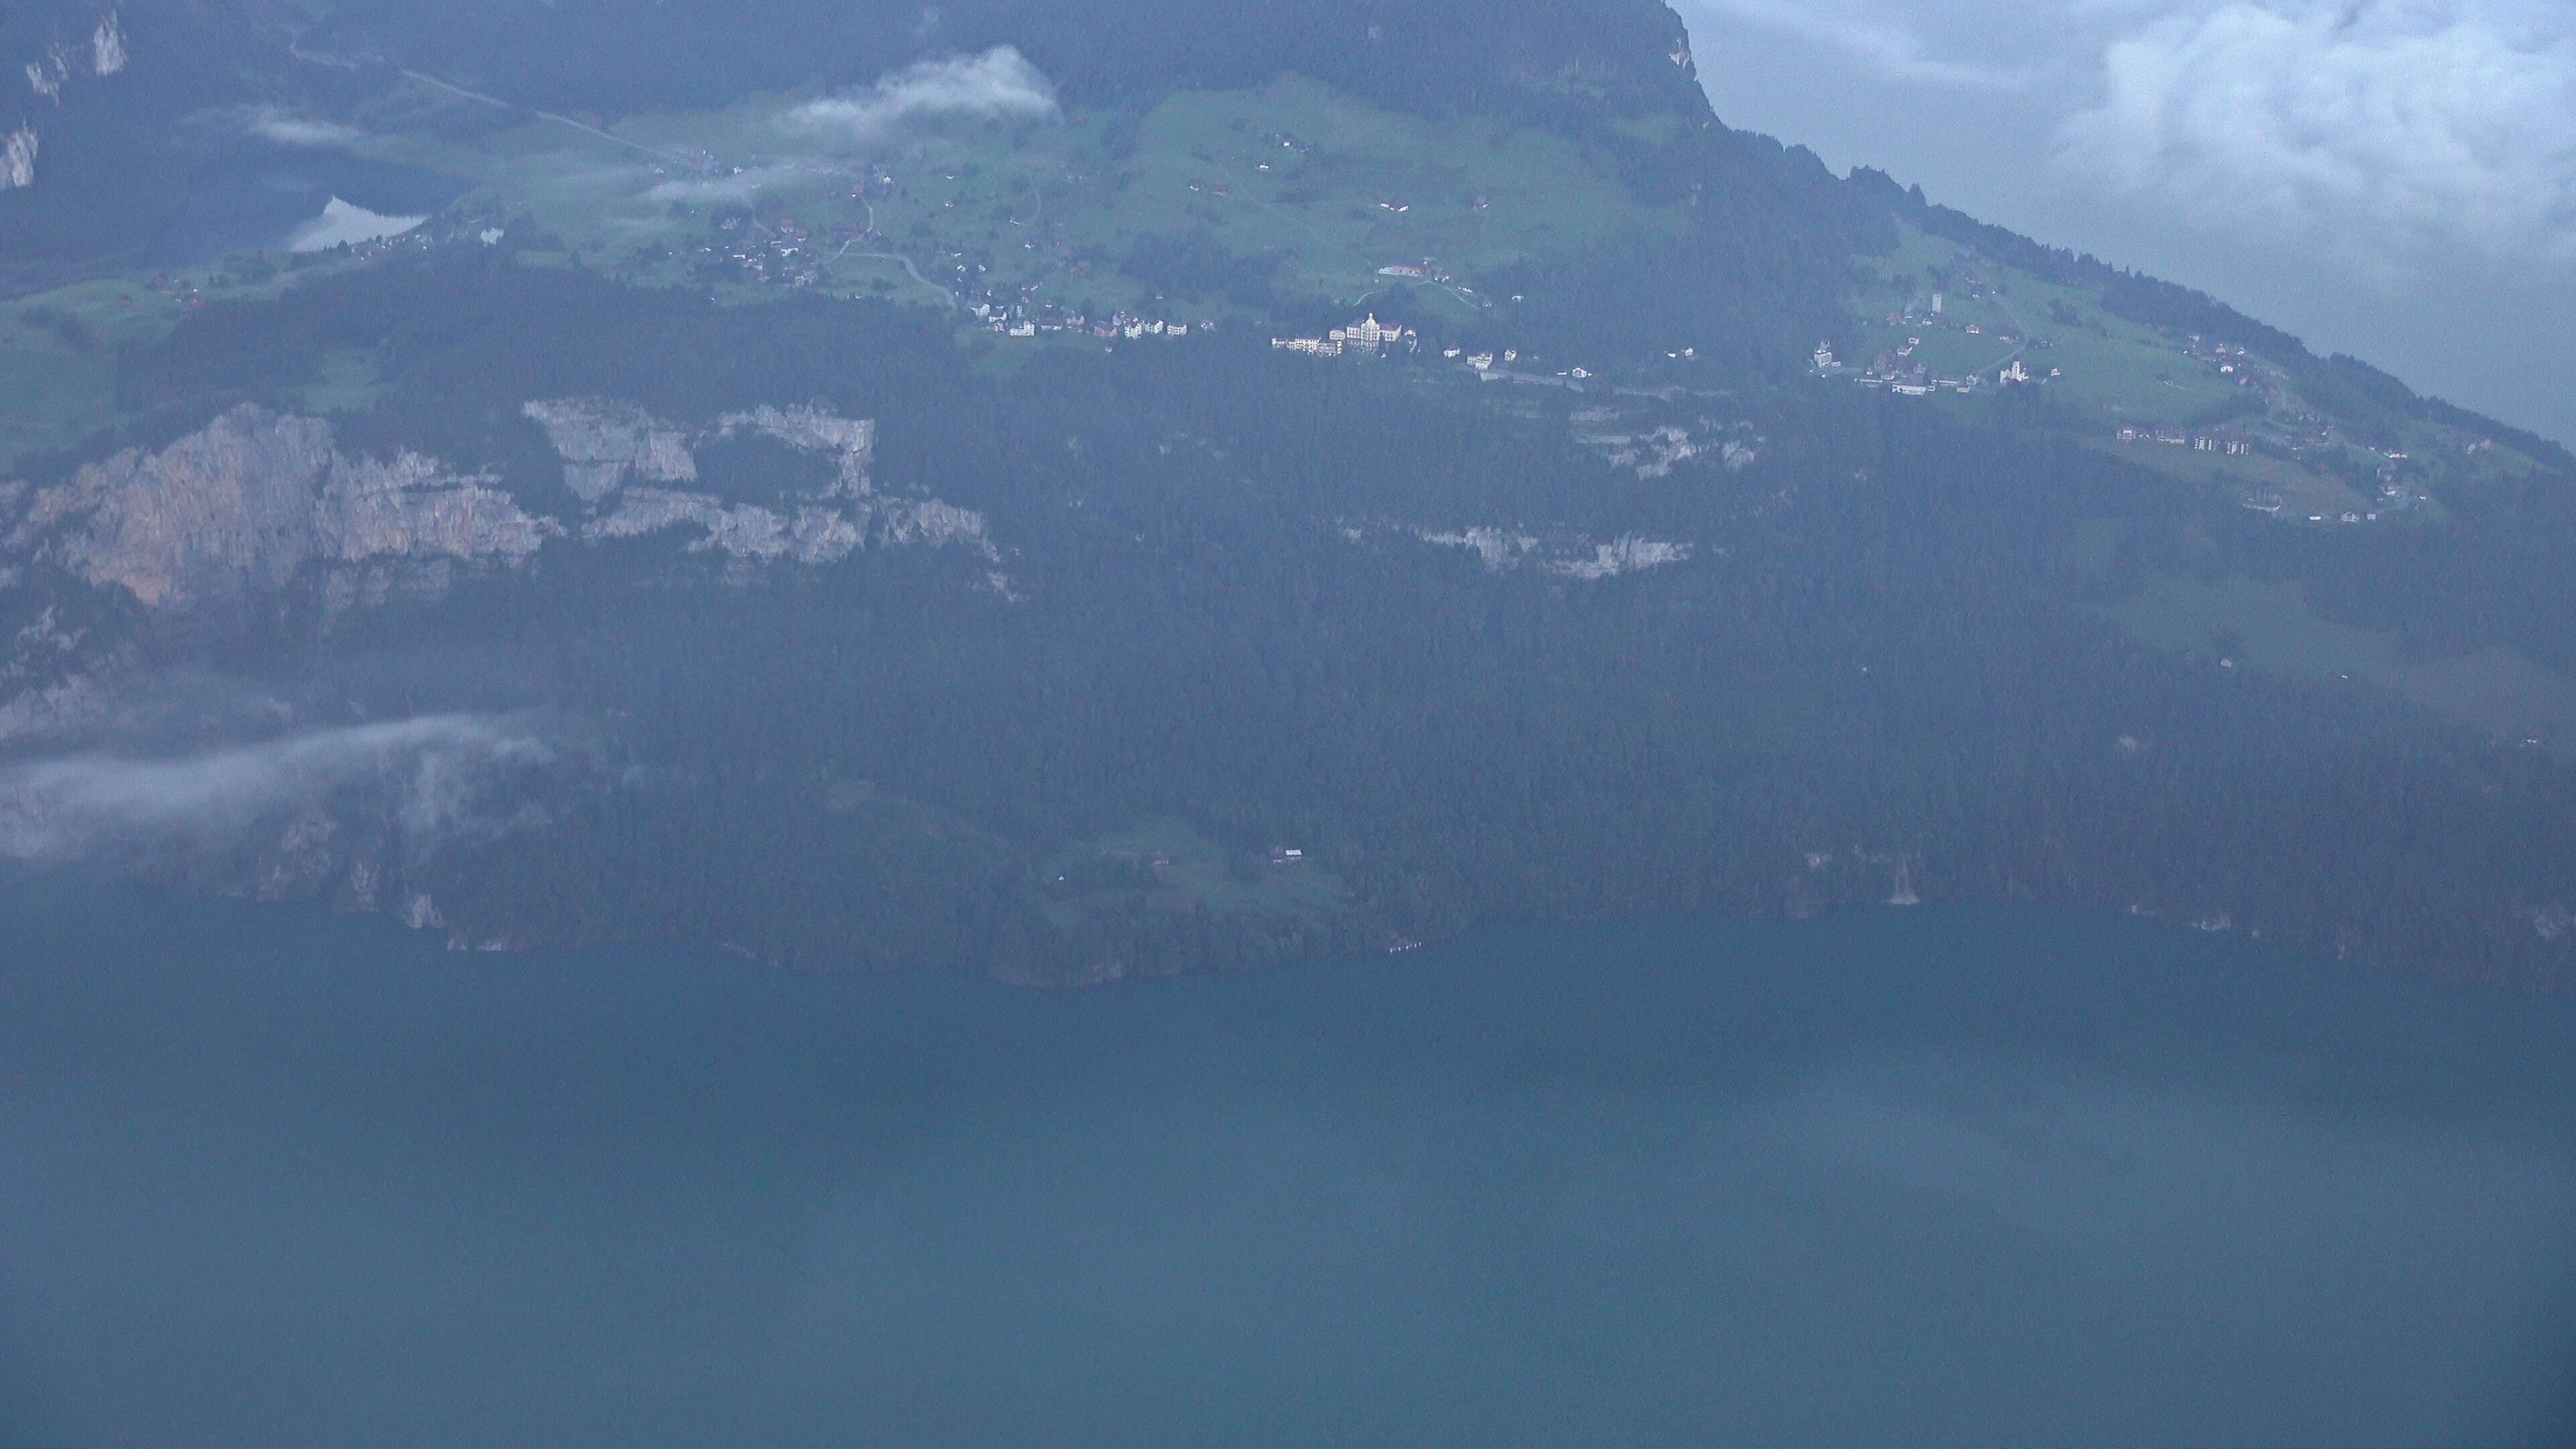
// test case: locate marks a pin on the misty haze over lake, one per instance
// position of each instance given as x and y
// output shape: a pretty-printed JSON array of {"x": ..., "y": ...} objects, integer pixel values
[{"x": 1989, "y": 1178}]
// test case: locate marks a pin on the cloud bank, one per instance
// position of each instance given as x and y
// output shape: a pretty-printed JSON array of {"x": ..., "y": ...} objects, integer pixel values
[
  {"x": 737, "y": 189},
  {"x": 431, "y": 770},
  {"x": 18, "y": 159},
  {"x": 285, "y": 128},
  {"x": 2432, "y": 124},
  {"x": 998, "y": 85},
  {"x": 2397, "y": 131}
]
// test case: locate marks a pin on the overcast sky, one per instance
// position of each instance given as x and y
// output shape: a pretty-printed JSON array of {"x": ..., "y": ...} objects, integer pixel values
[{"x": 2391, "y": 178}]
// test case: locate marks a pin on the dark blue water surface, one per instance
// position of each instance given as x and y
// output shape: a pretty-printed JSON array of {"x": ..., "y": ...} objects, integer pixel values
[
  {"x": 255, "y": 200},
  {"x": 1926, "y": 1178}
]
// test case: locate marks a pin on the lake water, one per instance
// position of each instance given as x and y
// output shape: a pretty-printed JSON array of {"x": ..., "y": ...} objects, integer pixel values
[
  {"x": 1918, "y": 1178},
  {"x": 298, "y": 200},
  {"x": 342, "y": 224}
]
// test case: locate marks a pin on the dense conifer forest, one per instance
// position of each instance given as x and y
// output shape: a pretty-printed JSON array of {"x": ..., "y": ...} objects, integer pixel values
[
  {"x": 1887, "y": 651},
  {"x": 1232, "y": 611}
]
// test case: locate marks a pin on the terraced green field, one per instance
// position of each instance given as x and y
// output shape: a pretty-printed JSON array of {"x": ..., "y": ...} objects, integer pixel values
[
  {"x": 2304, "y": 492},
  {"x": 1347, "y": 188},
  {"x": 1297, "y": 187},
  {"x": 58, "y": 350},
  {"x": 58, "y": 361},
  {"x": 1328, "y": 188},
  {"x": 2109, "y": 367},
  {"x": 2107, "y": 373},
  {"x": 1322, "y": 186}
]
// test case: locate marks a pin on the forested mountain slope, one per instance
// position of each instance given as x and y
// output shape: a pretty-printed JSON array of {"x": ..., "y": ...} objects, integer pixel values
[{"x": 1075, "y": 490}]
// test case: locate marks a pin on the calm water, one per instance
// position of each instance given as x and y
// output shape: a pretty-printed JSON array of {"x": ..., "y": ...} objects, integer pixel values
[
  {"x": 1922, "y": 1178},
  {"x": 267, "y": 200}
]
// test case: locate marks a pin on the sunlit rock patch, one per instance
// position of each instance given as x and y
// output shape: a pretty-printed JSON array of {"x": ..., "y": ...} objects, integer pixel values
[
  {"x": 240, "y": 505},
  {"x": 616, "y": 455}
]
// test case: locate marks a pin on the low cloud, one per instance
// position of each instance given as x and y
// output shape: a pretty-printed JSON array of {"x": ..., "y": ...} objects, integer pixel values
[
  {"x": 1887, "y": 39},
  {"x": 430, "y": 770},
  {"x": 998, "y": 85},
  {"x": 285, "y": 128},
  {"x": 18, "y": 158},
  {"x": 2398, "y": 129},
  {"x": 2391, "y": 132},
  {"x": 737, "y": 189}
]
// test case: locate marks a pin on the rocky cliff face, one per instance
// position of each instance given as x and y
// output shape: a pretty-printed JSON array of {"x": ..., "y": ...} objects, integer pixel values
[
  {"x": 136, "y": 560},
  {"x": 256, "y": 503},
  {"x": 606, "y": 445},
  {"x": 811, "y": 536},
  {"x": 614, "y": 451},
  {"x": 851, "y": 441},
  {"x": 1569, "y": 556},
  {"x": 61, "y": 65},
  {"x": 243, "y": 504}
]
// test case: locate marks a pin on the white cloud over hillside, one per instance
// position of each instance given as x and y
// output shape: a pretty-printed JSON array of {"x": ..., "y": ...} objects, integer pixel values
[
  {"x": 998, "y": 85},
  {"x": 2437, "y": 124},
  {"x": 2396, "y": 130}
]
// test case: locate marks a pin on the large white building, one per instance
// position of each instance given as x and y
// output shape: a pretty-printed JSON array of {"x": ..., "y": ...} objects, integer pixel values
[
  {"x": 1369, "y": 335},
  {"x": 1366, "y": 335}
]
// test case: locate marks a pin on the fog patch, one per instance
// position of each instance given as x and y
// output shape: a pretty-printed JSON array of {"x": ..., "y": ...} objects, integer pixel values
[
  {"x": 18, "y": 158},
  {"x": 737, "y": 189},
  {"x": 286, "y": 128},
  {"x": 431, "y": 772},
  {"x": 2396, "y": 133},
  {"x": 998, "y": 85},
  {"x": 2422, "y": 124}
]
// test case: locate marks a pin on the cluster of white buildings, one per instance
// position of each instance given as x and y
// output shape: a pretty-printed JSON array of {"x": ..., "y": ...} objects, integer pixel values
[
  {"x": 2231, "y": 362},
  {"x": 1368, "y": 336},
  {"x": 1372, "y": 338},
  {"x": 1892, "y": 370},
  {"x": 1019, "y": 321},
  {"x": 1425, "y": 270},
  {"x": 2197, "y": 442}
]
